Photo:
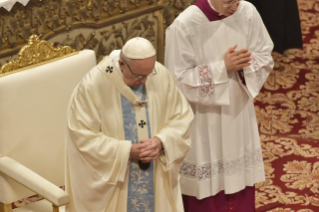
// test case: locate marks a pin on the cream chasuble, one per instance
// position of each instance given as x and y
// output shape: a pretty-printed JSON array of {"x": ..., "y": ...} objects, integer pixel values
[
  {"x": 225, "y": 152},
  {"x": 97, "y": 171}
]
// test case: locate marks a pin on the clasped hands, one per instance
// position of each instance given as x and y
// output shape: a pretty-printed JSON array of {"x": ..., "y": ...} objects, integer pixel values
[
  {"x": 147, "y": 150},
  {"x": 236, "y": 60}
]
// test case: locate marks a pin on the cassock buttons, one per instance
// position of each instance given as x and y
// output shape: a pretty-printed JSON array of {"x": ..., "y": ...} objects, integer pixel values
[{"x": 109, "y": 69}]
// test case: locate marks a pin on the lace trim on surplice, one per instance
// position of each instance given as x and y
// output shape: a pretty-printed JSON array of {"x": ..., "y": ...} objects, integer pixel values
[
  {"x": 206, "y": 80},
  {"x": 228, "y": 168},
  {"x": 258, "y": 73}
]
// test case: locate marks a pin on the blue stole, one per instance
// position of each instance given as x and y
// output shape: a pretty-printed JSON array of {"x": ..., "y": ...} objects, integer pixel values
[{"x": 141, "y": 183}]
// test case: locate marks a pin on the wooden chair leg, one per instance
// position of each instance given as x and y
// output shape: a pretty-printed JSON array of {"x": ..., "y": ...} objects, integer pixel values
[
  {"x": 55, "y": 208},
  {"x": 5, "y": 207}
]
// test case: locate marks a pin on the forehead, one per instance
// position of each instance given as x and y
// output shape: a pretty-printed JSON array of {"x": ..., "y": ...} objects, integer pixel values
[{"x": 142, "y": 66}]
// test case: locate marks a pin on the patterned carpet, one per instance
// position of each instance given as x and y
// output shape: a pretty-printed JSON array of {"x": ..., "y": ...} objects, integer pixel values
[{"x": 287, "y": 110}]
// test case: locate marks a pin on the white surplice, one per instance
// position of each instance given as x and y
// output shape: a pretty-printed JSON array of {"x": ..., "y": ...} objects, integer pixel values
[
  {"x": 97, "y": 152},
  {"x": 225, "y": 153}
]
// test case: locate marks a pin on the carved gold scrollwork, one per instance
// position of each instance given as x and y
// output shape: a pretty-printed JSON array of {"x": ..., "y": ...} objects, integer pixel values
[
  {"x": 106, "y": 39},
  {"x": 35, "y": 53},
  {"x": 172, "y": 8},
  {"x": 45, "y": 17},
  {"x": 60, "y": 18},
  {"x": 110, "y": 5}
]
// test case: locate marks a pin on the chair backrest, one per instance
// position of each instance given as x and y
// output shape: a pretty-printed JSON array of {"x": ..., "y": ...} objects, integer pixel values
[{"x": 33, "y": 107}]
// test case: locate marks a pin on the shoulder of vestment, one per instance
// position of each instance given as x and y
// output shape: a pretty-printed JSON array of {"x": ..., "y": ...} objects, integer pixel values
[
  {"x": 190, "y": 17},
  {"x": 95, "y": 77},
  {"x": 246, "y": 9}
]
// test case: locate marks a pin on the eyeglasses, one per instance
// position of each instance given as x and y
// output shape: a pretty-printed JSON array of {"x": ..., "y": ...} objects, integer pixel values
[
  {"x": 139, "y": 77},
  {"x": 228, "y": 3}
]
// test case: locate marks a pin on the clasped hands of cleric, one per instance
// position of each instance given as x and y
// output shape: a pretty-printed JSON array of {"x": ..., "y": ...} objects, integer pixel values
[
  {"x": 147, "y": 150},
  {"x": 236, "y": 60}
]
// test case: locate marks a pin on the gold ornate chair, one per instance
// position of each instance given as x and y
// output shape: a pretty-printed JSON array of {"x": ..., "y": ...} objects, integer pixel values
[{"x": 34, "y": 94}]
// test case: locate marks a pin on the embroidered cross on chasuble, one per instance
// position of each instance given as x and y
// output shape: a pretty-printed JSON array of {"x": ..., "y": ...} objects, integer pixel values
[{"x": 141, "y": 182}]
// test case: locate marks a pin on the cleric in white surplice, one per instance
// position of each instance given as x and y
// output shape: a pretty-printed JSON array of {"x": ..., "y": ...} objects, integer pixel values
[
  {"x": 207, "y": 46},
  {"x": 128, "y": 133}
]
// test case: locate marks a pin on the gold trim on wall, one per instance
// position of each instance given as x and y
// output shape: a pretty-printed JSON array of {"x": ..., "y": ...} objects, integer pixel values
[
  {"x": 36, "y": 53},
  {"x": 5, "y": 207},
  {"x": 160, "y": 39}
]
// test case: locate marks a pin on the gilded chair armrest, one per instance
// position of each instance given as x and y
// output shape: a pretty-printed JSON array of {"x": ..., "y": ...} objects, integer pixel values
[{"x": 33, "y": 181}]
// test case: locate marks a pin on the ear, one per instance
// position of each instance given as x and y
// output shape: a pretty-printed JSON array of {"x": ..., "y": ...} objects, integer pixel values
[{"x": 121, "y": 63}]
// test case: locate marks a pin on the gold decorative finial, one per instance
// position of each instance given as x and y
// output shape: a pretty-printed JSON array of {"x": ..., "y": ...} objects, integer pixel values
[{"x": 36, "y": 52}]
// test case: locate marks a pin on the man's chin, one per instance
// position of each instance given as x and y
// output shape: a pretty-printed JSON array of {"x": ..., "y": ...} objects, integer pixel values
[
  {"x": 136, "y": 85},
  {"x": 229, "y": 14}
]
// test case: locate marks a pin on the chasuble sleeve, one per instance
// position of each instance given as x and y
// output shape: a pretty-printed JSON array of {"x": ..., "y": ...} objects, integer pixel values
[
  {"x": 205, "y": 84},
  {"x": 175, "y": 132},
  {"x": 88, "y": 147},
  {"x": 260, "y": 45}
]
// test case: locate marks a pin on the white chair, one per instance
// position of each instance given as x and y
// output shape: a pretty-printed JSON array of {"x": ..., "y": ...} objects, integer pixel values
[{"x": 33, "y": 107}]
